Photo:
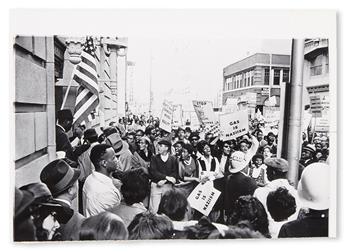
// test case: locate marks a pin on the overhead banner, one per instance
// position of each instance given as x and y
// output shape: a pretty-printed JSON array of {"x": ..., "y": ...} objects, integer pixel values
[
  {"x": 233, "y": 125},
  {"x": 166, "y": 116},
  {"x": 203, "y": 198},
  {"x": 204, "y": 111}
]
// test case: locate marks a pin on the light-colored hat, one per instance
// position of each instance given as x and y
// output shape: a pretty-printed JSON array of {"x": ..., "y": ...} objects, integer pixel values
[
  {"x": 117, "y": 143},
  {"x": 314, "y": 186},
  {"x": 238, "y": 162}
]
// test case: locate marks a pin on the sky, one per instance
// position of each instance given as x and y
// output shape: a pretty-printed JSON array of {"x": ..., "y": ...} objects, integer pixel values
[{"x": 184, "y": 69}]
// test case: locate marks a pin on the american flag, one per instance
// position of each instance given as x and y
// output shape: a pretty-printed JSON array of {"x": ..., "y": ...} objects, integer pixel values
[{"x": 85, "y": 75}]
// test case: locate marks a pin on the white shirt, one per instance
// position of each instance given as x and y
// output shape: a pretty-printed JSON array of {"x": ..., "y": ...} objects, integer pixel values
[
  {"x": 99, "y": 194},
  {"x": 208, "y": 173},
  {"x": 261, "y": 194},
  {"x": 222, "y": 163}
]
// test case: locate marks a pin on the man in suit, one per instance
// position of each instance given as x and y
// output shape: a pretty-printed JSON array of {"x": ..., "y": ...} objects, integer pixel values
[
  {"x": 64, "y": 124},
  {"x": 61, "y": 180}
]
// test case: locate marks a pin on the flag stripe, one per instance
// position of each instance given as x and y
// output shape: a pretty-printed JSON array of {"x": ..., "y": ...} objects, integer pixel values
[
  {"x": 85, "y": 70},
  {"x": 85, "y": 75},
  {"x": 83, "y": 100},
  {"x": 86, "y": 109},
  {"x": 86, "y": 82},
  {"x": 89, "y": 69},
  {"x": 89, "y": 60},
  {"x": 81, "y": 94}
]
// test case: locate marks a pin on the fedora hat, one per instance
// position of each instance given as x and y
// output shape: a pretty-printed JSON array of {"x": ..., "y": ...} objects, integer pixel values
[
  {"x": 90, "y": 133},
  {"x": 314, "y": 186},
  {"x": 59, "y": 176},
  {"x": 238, "y": 162},
  {"x": 277, "y": 164},
  {"x": 22, "y": 201},
  {"x": 117, "y": 143}
]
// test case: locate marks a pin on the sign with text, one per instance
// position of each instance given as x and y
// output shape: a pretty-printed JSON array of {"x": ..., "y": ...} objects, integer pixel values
[
  {"x": 177, "y": 115},
  {"x": 205, "y": 112},
  {"x": 233, "y": 125},
  {"x": 272, "y": 116},
  {"x": 315, "y": 105},
  {"x": 203, "y": 197},
  {"x": 166, "y": 116}
]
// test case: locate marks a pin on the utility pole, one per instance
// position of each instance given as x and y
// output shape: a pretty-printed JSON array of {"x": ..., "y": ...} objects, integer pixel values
[
  {"x": 150, "y": 106},
  {"x": 291, "y": 145}
]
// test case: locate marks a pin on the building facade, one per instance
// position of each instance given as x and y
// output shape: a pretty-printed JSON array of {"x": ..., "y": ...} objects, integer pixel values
[
  {"x": 316, "y": 82},
  {"x": 43, "y": 71},
  {"x": 252, "y": 80}
]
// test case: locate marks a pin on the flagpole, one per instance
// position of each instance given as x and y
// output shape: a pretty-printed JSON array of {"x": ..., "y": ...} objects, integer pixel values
[{"x": 67, "y": 91}]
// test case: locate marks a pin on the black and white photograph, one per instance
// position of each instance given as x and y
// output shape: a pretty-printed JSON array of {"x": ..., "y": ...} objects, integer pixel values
[{"x": 177, "y": 134}]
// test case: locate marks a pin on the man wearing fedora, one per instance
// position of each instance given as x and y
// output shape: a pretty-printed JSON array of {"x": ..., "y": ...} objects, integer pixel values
[
  {"x": 121, "y": 149},
  {"x": 163, "y": 171},
  {"x": 84, "y": 162},
  {"x": 314, "y": 195},
  {"x": 99, "y": 191},
  {"x": 61, "y": 180},
  {"x": 277, "y": 169}
]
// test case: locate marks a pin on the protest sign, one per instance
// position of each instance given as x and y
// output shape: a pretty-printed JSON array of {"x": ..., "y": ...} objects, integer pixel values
[
  {"x": 177, "y": 115},
  {"x": 272, "y": 116},
  {"x": 166, "y": 116},
  {"x": 315, "y": 105},
  {"x": 233, "y": 125},
  {"x": 203, "y": 197},
  {"x": 205, "y": 112}
]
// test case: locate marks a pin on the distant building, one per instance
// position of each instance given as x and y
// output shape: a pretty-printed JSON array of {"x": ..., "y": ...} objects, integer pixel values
[{"x": 252, "y": 80}]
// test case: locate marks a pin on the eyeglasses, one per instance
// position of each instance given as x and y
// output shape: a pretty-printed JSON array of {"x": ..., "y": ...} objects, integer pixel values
[
  {"x": 194, "y": 139},
  {"x": 226, "y": 146}
]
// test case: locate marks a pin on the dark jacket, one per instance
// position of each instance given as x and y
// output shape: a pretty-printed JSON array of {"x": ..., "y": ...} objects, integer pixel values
[
  {"x": 313, "y": 224},
  {"x": 63, "y": 143},
  {"x": 158, "y": 169},
  {"x": 70, "y": 230},
  {"x": 237, "y": 185}
]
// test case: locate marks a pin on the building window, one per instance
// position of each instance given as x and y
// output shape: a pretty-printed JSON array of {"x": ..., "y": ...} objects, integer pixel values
[
  {"x": 286, "y": 76},
  {"x": 276, "y": 76},
  {"x": 316, "y": 66},
  {"x": 252, "y": 77},
  {"x": 327, "y": 65},
  {"x": 245, "y": 79},
  {"x": 267, "y": 76}
]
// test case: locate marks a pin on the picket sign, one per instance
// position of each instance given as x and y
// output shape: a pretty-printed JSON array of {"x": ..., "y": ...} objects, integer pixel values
[
  {"x": 205, "y": 112},
  {"x": 203, "y": 197},
  {"x": 233, "y": 125},
  {"x": 166, "y": 116}
]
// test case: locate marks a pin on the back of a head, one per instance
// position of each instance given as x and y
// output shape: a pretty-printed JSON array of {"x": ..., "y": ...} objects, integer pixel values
[
  {"x": 147, "y": 226},
  {"x": 249, "y": 208},
  {"x": 173, "y": 204},
  {"x": 281, "y": 204},
  {"x": 104, "y": 226},
  {"x": 201, "y": 230},
  {"x": 135, "y": 186},
  {"x": 235, "y": 232},
  {"x": 64, "y": 115}
]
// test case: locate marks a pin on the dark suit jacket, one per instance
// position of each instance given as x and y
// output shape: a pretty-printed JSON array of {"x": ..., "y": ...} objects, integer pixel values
[
  {"x": 314, "y": 224},
  {"x": 63, "y": 143},
  {"x": 237, "y": 185},
  {"x": 70, "y": 230}
]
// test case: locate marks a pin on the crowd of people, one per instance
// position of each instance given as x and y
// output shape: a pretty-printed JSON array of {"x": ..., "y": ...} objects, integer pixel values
[{"x": 132, "y": 182}]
